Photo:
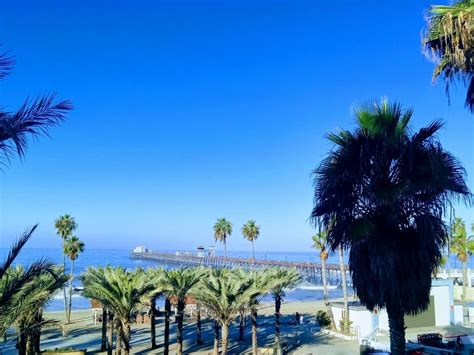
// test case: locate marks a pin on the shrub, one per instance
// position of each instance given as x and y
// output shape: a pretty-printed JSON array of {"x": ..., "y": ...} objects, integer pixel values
[{"x": 323, "y": 319}]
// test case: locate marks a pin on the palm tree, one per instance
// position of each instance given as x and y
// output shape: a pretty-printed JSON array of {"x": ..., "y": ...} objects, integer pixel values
[
  {"x": 223, "y": 293},
  {"x": 12, "y": 285},
  {"x": 345, "y": 320},
  {"x": 251, "y": 231},
  {"x": 36, "y": 293},
  {"x": 72, "y": 248},
  {"x": 320, "y": 243},
  {"x": 178, "y": 285},
  {"x": 65, "y": 225},
  {"x": 449, "y": 42},
  {"x": 155, "y": 277},
  {"x": 462, "y": 246},
  {"x": 33, "y": 118},
  {"x": 263, "y": 281},
  {"x": 120, "y": 291},
  {"x": 283, "y": 279},
  {"x": 222, "y": 229},
  {"x": 383, "y": 190}
]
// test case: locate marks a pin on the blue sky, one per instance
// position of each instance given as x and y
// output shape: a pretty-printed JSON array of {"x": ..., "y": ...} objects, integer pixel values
[{"x": 186, "y": 111}]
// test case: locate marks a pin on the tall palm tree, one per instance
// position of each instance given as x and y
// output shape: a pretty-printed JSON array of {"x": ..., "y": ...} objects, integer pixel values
[
  {"x": 383, "y": 190},
  {"x": 122, "y": 292},
  {"x": 65, "y": 225},
  {"x": 283, "y": 279},
  {"x": 462, "y": 246},
  {"x": 36, "y": 294},
  {"x": 449, "y": 42},
  {"x": 251, "y": 231},
  {"x": 320, "y": 241},
  {"x": 345, "y": 320},
  {"x": 223, "y": 293},
  {"x": 178, "y": 285},
  {"x": 72, "y": 248},
  {"x": 222, "y": 229}
]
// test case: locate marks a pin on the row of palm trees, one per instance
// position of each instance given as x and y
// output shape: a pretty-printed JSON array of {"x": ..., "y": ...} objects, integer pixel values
[
  {"x": 225, "y": 294},
  {"x": 223, "y": 229}
]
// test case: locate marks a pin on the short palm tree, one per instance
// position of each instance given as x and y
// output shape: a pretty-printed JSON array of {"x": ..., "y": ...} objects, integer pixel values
[
  {"x": 449, "y": 41},
  {"x": 222, "y": 229},
  {"x": 251, "y": 231},
  {"x": 263, "y": 281},
  {"x": 382, "y": 191},
  {"x": 65, "y": 225},
  {"x": 320, "y": 241},
  {"x": 463, "y": 247},
  {"x": 178, "y": 285},
  {"x": 12, "y": 285},
  {"x": 36, "y": 294},
  {"x": 283, "y": 279},
  {"x": 122, "y": 292},
  {"x": 223, "y": 293}
]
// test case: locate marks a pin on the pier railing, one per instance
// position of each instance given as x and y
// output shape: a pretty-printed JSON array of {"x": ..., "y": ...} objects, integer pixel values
[{"x": 308, "y": 269}]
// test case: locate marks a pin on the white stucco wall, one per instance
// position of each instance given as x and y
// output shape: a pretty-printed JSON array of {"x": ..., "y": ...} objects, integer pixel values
[
  {"x": 458, "y": 315},
  {"x": 361, "y": 320},
  {"x": 442, "y": 305}
]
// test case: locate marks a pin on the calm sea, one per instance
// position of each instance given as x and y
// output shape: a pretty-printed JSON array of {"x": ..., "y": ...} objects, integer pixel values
[{"x": 120, "y": 257}]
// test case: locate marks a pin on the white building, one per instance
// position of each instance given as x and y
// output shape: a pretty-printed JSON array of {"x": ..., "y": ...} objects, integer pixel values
[
  {"x": 140, "y": 249},
  {"x": 440, "y": 312}
]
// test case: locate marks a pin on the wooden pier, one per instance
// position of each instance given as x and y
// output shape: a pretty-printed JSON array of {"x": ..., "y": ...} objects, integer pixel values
[{"x": 310, "y": 271}]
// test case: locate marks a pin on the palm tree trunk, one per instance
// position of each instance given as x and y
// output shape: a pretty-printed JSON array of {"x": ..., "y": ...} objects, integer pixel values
[
  {"x": 198, "y": 325},
  {"x": 126, "y": 338},
  {"x": 64, "y": 288},
  {"x": 277, "y": 319},
  {"x": 216, "y": 338},
  {"x": 167, "y": 326},
  {"x": 326, "y": 294},
  {"x": 225, "y": 338},
  {"x": 179, "y": 329},
  {"x": 21, "y": 342},
  {"x": 103, "y": 343},
  {"x": 225, "y": 249},
  {"x": 397, "y": 331},
  {"x": 345, "y": 328},
  {"x": 152, "y": 322},
  {"x": 253, "y": 251},
  {"x": 29, "y": 345},
  {"x": 37, "y": 332},
  {"x": 118, "y": 345},
  {"x": 241, "y": 325},
  {"x": 70, "y": 292},
  {"x": 254, "y": 332},
  {"x": 464, "y": 280},
  {"x": 110, "y": 342}
]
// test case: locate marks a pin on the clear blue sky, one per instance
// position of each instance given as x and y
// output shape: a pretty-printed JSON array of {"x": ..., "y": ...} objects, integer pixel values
[{"x": 191, "y": 110}]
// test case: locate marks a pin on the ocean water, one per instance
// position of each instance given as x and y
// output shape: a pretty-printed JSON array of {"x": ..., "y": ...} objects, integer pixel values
[{"x": 120, "y": 257}]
